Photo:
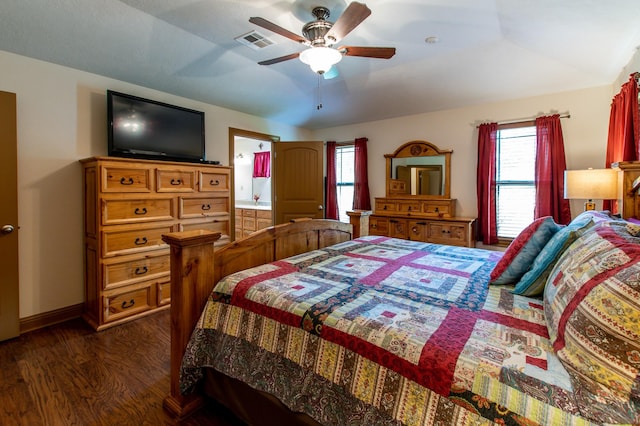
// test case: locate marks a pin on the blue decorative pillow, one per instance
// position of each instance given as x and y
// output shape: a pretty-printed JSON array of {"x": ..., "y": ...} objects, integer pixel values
[
  {"x": 532, "y": 283},
  {"x": 522, "y": 251}
]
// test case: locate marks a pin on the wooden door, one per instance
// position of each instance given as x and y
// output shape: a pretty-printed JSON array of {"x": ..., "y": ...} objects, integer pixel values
[
  {"x": 9, "y": 304},
  {"x": 298, "y": 180}
]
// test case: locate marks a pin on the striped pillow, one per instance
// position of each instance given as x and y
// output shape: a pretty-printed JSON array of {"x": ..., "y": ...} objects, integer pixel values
[{"x": 522, "y": 251}]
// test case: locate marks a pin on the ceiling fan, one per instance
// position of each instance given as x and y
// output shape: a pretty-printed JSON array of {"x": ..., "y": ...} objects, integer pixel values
[{"x": 320, "y": 35}]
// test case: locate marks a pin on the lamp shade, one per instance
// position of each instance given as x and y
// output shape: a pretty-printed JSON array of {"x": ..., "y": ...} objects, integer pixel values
[
  {"x": 590, "y": 184},
  {"x": 320, "y": 59}
]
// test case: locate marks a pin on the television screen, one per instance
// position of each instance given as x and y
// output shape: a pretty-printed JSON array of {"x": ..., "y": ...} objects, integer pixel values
[{"x": 142, "y": 128}]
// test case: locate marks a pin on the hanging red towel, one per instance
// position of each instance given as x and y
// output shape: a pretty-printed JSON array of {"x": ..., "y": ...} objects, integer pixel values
[{"x": 262, "y": 164}]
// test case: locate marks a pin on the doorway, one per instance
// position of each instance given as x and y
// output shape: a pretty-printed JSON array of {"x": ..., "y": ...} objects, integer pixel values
[{"x": 252, "y": 196}]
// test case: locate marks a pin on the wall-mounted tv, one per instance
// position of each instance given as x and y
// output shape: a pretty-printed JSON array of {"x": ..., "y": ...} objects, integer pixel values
[{"x": 146, "y": 129}]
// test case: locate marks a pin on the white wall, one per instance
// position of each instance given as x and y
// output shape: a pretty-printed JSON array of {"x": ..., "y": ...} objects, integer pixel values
[
  {"x": 61, "y": 119},
  {"x": 585, "y": 136}
]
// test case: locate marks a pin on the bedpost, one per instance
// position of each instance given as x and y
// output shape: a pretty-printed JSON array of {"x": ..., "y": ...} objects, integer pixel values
[
  {"x": 191, "y": 283},
  {"x": 360, "y": 221}
]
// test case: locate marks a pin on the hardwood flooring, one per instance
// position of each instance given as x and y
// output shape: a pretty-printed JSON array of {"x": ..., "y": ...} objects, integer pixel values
[{"x": 68, "y": 374}]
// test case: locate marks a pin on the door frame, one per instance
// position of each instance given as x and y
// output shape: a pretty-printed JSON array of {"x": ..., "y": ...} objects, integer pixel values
[{"x": 233, "y": 133}]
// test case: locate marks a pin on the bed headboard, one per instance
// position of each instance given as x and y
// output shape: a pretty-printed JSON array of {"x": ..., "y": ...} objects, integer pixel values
[{"x": 628, "y": 186}]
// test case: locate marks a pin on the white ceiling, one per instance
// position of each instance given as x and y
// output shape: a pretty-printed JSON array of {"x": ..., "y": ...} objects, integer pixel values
[{"x": 489, "y": 50}]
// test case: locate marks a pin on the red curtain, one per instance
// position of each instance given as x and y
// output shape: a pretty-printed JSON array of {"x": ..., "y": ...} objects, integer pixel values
[
  {"x": 332, "y": 185},
  {"x": 262, "y": 164},
  {"x": 624, "y": 129},
  {"x": 550, "y": 167},
  {"x": 361, "y": 197},
  {"x": 486, "y": 183}
]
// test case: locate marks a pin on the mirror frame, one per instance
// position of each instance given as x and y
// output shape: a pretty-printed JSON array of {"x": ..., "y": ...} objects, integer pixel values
[{"x": 418, "y": 148}]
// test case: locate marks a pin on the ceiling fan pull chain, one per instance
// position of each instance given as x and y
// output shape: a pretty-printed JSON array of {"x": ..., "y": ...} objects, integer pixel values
[{"x": 319, "y": 104}]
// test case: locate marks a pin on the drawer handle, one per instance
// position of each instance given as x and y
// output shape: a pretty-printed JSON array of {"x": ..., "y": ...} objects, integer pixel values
[
  {"x": 128, "y": 181},
  {"x": 140, "y": 211},
  {"x": 436, "y": 210},
  {"x": 206, "y": 207},
  {"x": 126, "y": 305},
  {"x": 444, "y": 231},
  {"x": 384, "y": 207},
  {"x": 176, "y": 182},
  {"x": 409, "y": 209},
  {"x": 214, "y": 182},
  {"x": 421, "y": 223},
  {"x": 141, "y": 241},
  {"x": 141, "y": 271}
]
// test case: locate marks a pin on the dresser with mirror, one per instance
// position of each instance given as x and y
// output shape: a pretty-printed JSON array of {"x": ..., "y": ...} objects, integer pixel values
[{"x": 418, "y": 204}]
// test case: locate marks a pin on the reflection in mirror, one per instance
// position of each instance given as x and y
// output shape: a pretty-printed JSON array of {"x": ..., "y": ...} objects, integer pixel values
[
  {"x": 420, "y": 180},
  {"x": 421, "y": 175}
]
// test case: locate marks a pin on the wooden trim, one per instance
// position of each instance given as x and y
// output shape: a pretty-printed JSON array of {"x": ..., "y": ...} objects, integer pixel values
[
  {"x": 46, "y": 319},
  {"x": 195, "y": 268}
]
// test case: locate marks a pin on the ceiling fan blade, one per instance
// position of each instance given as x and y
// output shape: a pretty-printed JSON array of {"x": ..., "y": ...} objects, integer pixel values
[
  {"x": 368, "y": 52},
  {"x": 353, "y": 15},
  {"x": 279, "y": 59},
  {"x": 261, "y": 22}
]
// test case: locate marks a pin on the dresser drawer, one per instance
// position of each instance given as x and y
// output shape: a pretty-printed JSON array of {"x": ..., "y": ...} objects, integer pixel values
[
  {"x": 386, "y": 206},
  {"x": 447, "y": 233},
  {"x": 132, "y": 271},
  {"x": 214, "y": 181},
  {"x": 439, "y": 208},
  {"x": 129, "y": 302},
  {"x": 141, "y": 239},
  {"x": 216, "y": 225},
  {"x": 197, "y": 207},
  {"x": 175, "y": 180},
  {"x": 219, "y": 224},
  {"x": 399, "y": 228},
  {"x": 126, "y": 211},
  {"x": 124, "y": 179},
  {"x": 378, "y": 226},
  {"x": 406, "y": 207}
]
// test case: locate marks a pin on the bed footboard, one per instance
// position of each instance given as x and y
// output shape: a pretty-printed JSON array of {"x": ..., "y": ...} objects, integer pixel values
[{"x": 196, "y": 267}]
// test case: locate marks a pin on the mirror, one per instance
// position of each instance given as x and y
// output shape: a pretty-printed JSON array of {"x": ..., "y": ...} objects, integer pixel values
[{"x": 418, "y": 169}]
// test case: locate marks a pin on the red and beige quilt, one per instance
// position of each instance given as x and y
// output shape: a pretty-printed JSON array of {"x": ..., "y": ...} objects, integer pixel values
[{"x": 385, "y": 331}]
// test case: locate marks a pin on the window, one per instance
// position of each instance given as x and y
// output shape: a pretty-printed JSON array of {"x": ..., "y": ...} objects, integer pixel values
[
  {"x": 345, "y": 163},
  {"x": 515, "y": 179}
]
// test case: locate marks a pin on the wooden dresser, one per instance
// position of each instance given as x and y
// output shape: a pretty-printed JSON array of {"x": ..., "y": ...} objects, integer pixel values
[
  {"x": 417, "y": 205},
  {"x": 422, "y": 220},
  {"x": 128, "y": 206}
]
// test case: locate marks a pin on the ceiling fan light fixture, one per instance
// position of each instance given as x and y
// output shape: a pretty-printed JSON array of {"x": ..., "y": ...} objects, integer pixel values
[{"x": 320, "y": 59}]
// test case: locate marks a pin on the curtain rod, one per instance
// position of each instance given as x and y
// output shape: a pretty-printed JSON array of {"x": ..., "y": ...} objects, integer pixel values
[{"x": 524, "y": 120}]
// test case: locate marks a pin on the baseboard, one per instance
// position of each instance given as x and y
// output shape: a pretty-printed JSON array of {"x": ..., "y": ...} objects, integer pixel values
[{"x": 46, "y": 319}]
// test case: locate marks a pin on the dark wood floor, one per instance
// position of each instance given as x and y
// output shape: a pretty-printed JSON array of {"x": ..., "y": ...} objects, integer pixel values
[{"x": 69, "y": 374}]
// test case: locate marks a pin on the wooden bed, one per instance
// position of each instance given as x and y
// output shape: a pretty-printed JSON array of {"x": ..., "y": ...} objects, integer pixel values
[
  {"x": 193, "y": 276},
  {"x": 553, "y": 326}
]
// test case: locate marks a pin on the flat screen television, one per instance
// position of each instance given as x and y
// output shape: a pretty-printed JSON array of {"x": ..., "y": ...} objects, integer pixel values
[{"x": 146, "y": 129}]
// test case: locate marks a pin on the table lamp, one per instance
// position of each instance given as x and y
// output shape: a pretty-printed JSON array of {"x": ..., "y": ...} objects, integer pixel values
[{"x": 590, "y": 184}]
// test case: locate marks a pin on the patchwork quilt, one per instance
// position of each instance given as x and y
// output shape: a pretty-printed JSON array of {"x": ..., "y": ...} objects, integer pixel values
[{"x": 386, "y": 331}]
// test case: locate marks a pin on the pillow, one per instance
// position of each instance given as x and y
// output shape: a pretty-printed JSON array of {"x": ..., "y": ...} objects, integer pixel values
[
  {"x": 592, "y": 309},
  {"x": 523, "y": 250},
  {"x": 532, "y": 283},
  {"x": 633, "y": 229}
]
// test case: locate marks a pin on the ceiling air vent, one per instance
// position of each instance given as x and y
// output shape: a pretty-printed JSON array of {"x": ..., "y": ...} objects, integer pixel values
[{"x": 254, "y": 40}]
